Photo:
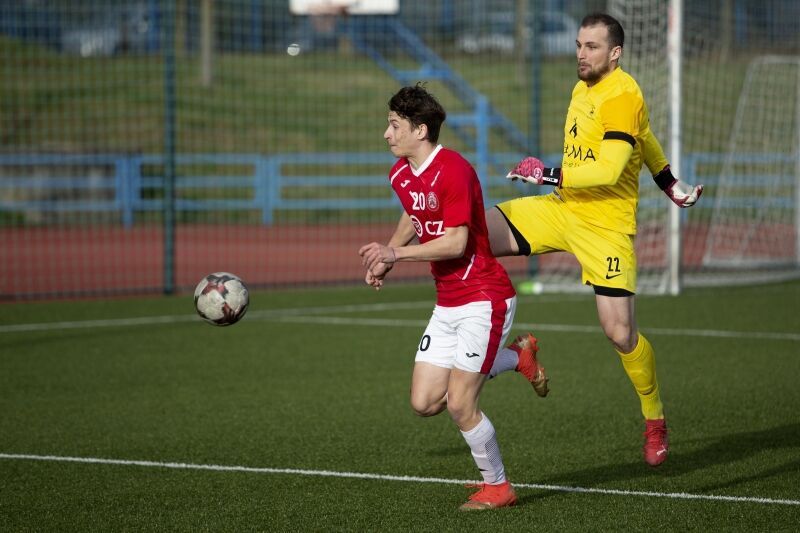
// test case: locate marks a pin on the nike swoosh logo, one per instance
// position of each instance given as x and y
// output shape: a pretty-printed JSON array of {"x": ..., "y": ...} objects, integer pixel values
[
  {"x": 662, "y": 451},
  {"x": 472, "y": 355},
  {"x": 614, "y": 276}
]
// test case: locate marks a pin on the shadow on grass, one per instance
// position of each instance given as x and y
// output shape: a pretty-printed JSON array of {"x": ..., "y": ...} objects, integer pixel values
[
  {"x": 714, "y": 451},
  {"x": 448, "y": 451}
]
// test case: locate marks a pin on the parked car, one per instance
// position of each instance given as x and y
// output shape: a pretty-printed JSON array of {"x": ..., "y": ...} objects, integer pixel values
[
  {"x": 125, "y": 27},
  {"x": 497, "y": 34}
]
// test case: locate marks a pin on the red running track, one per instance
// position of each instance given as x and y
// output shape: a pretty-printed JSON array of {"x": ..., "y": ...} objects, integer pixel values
[{"x": 103, "y": 260}]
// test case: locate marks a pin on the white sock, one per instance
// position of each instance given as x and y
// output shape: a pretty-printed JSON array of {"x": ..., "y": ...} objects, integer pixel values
[
  {"x": 506, "y": 359},
  {"x": 486, "y": 452}
]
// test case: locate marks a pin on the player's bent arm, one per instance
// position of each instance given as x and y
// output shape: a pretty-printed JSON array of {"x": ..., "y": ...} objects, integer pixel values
[
  {"x": 403, "y": 235},
  {"x": 614, "y": 155},
  {"x": 404, "y": 232},
  {"x": 682, "y": 194},
  {"x": 379, "y": 259},
  {"x": 652, "y": 153},
  {"x": 449, "y": 246}
]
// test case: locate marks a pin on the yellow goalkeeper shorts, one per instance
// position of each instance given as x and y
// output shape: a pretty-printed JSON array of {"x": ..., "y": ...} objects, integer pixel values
[{"x": 547, "y": 224}]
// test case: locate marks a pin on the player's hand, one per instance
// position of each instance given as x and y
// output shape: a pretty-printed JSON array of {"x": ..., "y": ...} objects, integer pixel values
[
  {"x": 381, "y": 269},
  {"x": 375, "y": 276},
  {"x": 374, "y": 253},
  {"x": 373, "y": 281},
  {"x": 532, "y": 170},
  {"x": 681, "y": 193}
]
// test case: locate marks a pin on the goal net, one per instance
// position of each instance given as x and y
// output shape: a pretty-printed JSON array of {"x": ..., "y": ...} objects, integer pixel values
[
  {"x": 754, "y": 220},
  {"x": 739, "y": 107}
]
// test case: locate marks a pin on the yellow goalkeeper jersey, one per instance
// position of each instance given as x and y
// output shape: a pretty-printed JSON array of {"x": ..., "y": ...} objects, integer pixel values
[{"x": 606, "y": 140}]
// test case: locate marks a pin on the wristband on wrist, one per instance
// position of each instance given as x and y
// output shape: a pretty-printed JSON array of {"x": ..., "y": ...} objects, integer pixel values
[
  {"x": 664, "y": 178},
  {"x": 551, "y": 176}
]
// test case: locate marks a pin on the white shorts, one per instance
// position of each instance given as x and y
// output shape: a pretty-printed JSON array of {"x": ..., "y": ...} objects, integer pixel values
[{"x": 467, "y": 337}]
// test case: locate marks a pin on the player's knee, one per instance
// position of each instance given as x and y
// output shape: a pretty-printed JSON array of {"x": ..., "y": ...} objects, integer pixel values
[
  {"x": 622, "y": 337},
  {"x": 423, "y": 406},
  {"x": 461, "y": 412}
]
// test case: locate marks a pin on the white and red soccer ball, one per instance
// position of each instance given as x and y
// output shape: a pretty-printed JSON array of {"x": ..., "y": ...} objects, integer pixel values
[{"x": 221, "y": 298}]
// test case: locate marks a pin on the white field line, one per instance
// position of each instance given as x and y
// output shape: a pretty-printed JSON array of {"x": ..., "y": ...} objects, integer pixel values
[
  {"x": 301, "y": 315},
  {"x": 387, "y": 477},
  {"x": 568, "y": 328}
]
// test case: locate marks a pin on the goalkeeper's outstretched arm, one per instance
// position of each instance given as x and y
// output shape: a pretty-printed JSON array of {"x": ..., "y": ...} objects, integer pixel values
[
  {"x": 614, "y": 156},
  {"x": 606, "y": 171},
  {"x": 681, "y": 193}
]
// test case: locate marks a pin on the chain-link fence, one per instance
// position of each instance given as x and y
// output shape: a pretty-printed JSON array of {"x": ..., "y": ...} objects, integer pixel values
[{"x": 147, "y": 143}]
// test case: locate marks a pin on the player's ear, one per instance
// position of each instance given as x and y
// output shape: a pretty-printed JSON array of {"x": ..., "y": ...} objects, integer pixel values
[
  {"x": 421, "y": 132},
  {"x": 616, "y": 53}
]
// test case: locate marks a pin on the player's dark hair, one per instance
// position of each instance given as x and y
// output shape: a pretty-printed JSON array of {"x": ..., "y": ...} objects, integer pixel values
[
  {"x": 418, "y": 106},
  {"x": 616, "y": 35}
]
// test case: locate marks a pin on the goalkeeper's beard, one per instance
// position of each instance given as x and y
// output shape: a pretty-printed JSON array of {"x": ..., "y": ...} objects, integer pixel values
[{"x": 590, "y": 76}]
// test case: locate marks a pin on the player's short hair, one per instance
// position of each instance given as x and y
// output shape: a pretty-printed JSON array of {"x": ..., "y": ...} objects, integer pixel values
[
  {"x": 418, "y": 106},
  {"x": 616, "y": 35}
]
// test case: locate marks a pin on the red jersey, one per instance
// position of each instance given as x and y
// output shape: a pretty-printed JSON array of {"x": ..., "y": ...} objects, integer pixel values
[{"x": 444, "y": 192}]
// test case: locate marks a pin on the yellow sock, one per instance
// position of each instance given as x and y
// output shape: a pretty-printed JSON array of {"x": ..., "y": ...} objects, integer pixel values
[{"x": 640, "y": 365}]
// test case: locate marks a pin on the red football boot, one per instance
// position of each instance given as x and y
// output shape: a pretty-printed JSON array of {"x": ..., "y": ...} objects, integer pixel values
[
  {"x": 526, "y": 346},
  {"x": 656, "y": 443},
  {"x": 490, "y": 497}
]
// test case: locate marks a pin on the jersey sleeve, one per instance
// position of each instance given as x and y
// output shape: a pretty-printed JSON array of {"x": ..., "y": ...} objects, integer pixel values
[
  {"x": 620, "y": 119},
  {"x": 621, "y": 115},
  {"x": 606, "y": 170},
  {"x": 652, "y": 153}
]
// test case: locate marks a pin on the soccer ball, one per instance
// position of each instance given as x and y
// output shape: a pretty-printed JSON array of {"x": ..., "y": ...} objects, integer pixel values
[{"x": 221, "y": 298}]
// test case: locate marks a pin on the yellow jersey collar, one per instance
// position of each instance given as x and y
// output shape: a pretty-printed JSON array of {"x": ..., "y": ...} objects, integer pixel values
[{"x": 616, "y": 73}]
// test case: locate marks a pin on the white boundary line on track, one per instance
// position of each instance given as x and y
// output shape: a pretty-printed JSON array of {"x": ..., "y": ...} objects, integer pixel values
[
  {"x": 301, "y": 315},
  {"x": 387, "y": 477}
]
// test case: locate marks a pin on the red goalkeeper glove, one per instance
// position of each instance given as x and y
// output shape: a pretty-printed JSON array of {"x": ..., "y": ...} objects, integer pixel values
[
  {"x": 532, "y": 170},
  {"x": 682, "y": 194}
]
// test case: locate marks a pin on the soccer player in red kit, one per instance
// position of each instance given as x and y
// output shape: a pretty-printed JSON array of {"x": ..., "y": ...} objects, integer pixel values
[{"x": 444, "y": 223}]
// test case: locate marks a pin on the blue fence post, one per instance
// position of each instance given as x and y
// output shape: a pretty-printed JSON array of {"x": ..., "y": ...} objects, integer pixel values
[
  {"x": 267, "y": 186},
  {"x": 482, "y": 127},
  {"x": 256, "y": 26},
  {"x": 135, "y": 182},
  {"x": 122, "y": 185}
]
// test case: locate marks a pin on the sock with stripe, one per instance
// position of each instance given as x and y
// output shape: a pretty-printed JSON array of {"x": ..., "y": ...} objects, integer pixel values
[
  {"x": 640, "y": 365},
  {"x": 486, "y": 452}
]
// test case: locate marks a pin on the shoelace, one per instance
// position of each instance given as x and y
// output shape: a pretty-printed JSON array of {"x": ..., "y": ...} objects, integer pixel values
[
  {"x": 480, "y": 486},
  {"x": 485, "y": 489},
  {"x": 655, "y": 434}
]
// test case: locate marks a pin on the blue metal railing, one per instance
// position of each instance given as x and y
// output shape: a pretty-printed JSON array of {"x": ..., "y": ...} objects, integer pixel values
[{"x": 130, "y": 184}]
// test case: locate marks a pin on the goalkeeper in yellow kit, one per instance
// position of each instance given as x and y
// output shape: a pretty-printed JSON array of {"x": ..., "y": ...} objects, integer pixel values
[{"x": 592, "y": 211}]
